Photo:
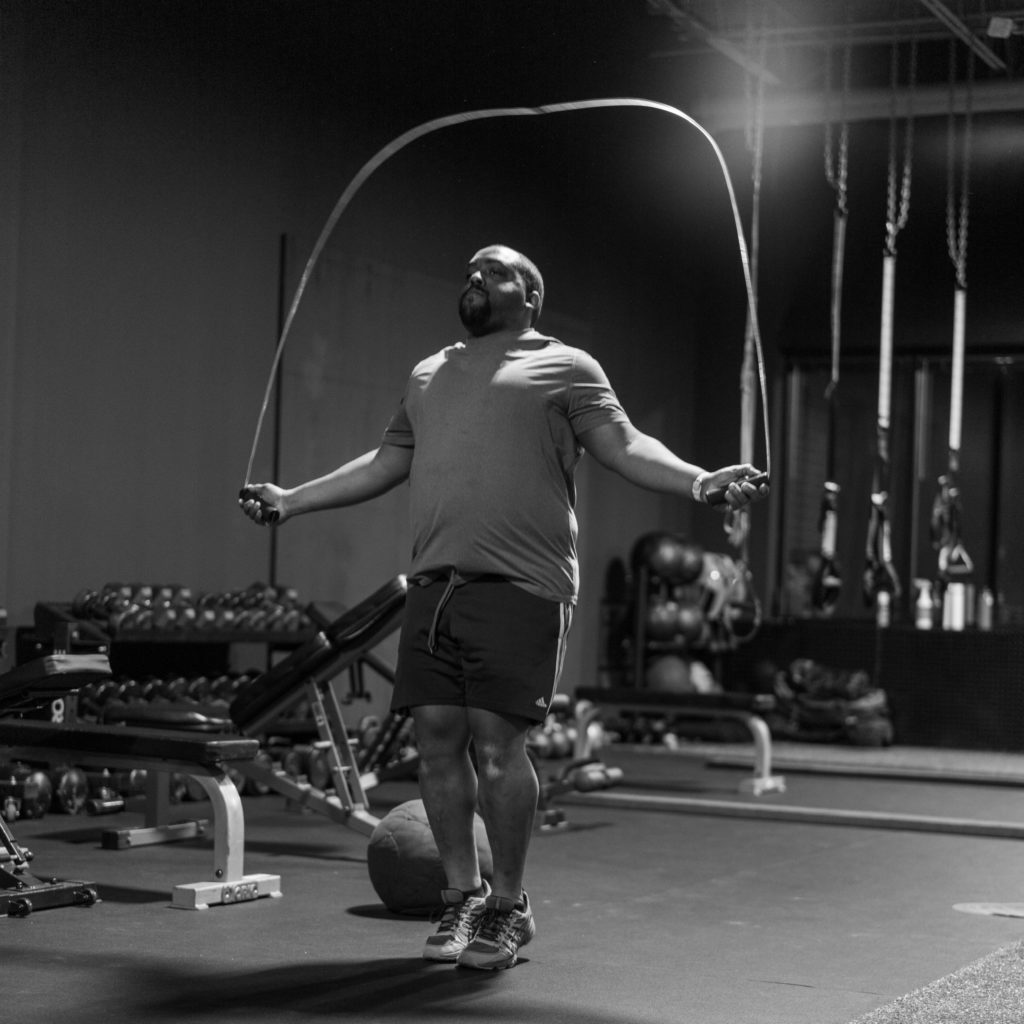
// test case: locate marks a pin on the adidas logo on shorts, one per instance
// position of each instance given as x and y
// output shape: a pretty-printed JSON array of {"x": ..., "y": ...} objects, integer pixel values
[{"x": 541, "y": 702}]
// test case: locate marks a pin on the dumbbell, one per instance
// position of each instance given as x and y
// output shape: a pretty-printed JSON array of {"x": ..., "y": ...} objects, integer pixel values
[
  {"x": 561, "y": 744},
  {"x": 152, "y": 689},
  {"x": 295, "y": 761},
  {"x": 319, "y": 767},
  {"x": 112, "y": 597},
  {"x": 198, "y": 689},
  {"x": 165, "y": 618},
  {"x": 193, "y": 789},
  {"x": 106, "y": 783},
  {"x": 176, "y": 688},
  {"x": 93, "y": 696},
  {"x": 223, "y": 687},
  {"x": 104, "y": 796},
  {"x": 177, "y": 786},
  {"x": 70, "y": 789},
  {"x": 36, "y": 790},
  {"x": 592, "y": 777},
  {"x": 253, "y": 788},
  {"x": 84, "y": 604},
  {"x": 539, "y": 742},
  {"x": 367, "y": 731}
]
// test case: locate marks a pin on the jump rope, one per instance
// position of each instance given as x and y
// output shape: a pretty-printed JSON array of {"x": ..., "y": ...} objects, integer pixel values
[{"x": 714, "y": 496}]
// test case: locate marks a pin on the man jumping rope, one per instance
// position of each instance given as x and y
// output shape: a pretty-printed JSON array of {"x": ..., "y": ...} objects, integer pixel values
[{"x": 488, "y": 434}]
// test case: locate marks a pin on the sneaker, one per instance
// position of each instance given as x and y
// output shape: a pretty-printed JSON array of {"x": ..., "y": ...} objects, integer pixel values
[
  {"x": 460, "y": 919},
  {"x": 505, "y": 927}
]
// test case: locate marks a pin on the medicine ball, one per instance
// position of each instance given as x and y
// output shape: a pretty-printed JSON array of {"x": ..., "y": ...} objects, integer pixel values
[
  {"x": 669, "y": 557},
  {"x": 404, "y": 864},
  {"x": 690, "y": 622},
  {"x": 662, "y": 621},
  {"x": 670, "y": 674}
]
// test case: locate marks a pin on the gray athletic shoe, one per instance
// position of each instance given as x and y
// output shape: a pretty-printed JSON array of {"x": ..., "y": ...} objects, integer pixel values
[
  {"x": 459, "y": 922},
  {"x": 506, "y": 926}
]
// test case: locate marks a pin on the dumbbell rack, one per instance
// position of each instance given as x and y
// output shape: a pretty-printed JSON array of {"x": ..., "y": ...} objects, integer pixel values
[
  {"x": 190, "y": 650},
  {"x": 130, "y": 652}
]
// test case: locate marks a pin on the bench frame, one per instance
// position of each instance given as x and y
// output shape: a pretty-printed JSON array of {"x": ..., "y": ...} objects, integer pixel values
[
  {"x": 347, "y": 805},
  {"x": 308, "y": 672},
  {"x": 592, "y": 702},
  {"x": 228, "y": 884}
]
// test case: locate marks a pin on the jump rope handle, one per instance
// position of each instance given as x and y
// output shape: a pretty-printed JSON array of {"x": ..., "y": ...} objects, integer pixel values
[
  {"x": 716, "y": 495},
  {"x": 269, "y": 513}
]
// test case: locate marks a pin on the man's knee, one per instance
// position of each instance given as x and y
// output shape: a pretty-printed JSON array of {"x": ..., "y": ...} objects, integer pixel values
[{"x": 441, "y": 731}]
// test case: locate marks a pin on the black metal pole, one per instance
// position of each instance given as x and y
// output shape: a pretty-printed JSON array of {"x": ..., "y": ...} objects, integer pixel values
[
  {"x": 282, "y": 274},
  {"x": 994, "y": 533}
]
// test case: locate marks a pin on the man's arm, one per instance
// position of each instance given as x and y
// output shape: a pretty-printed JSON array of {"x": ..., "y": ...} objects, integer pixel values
[
  {"x": 643, "y": 460},
  {"x": 371, "y": 474}
]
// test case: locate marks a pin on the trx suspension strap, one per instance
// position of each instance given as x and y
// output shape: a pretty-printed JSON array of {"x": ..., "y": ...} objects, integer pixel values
[
  {"x": 742, "y": 619},
  {"x": 737, "y": 521},
  {"x": 946, "y": 511},
  {"x": 827, "y": 582},
  {"x": 881, "y": 584}
]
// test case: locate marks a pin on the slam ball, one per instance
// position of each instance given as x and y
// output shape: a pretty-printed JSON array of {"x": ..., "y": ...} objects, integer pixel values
[
  {"x": 668, "y": 556},
  {"x": 669, "y": 674},
  {"x": 662, "y": 620},
  {"x": 404, "y": 864}
]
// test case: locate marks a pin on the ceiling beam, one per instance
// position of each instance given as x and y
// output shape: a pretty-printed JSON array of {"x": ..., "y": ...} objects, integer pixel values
[
  {"x": 690, "y": 27},
  {"x": 963, "y": 33},
  {"x": 794, "y": 109},
  {"x": 852, "y": 33}
]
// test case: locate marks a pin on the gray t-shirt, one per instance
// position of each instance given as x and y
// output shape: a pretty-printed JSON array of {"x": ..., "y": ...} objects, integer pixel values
[{"x": 495, "y": 423}]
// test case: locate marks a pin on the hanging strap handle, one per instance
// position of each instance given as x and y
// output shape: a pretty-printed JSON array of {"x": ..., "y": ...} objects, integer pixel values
[
  {"x": 947, "y": 510},
  {"x": 826, "y": 583},
  {"x": 880, "y": 575},
  {"x": 737, "y": 521}
]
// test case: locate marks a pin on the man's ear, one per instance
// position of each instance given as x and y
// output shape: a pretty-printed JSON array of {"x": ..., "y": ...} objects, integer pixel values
[{"x": 533, "y": 301}]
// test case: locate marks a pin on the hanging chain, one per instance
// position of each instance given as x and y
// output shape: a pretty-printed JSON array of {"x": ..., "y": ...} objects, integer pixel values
[
  {"x": 956, "y": 220},
  {"x": 896, "y": 215},
  {"x": 836, "y": 174},
  {"x": 836, "y": 167}
]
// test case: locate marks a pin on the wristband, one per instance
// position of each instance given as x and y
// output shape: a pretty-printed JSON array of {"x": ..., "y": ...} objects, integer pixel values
[{"x": 698, "y": 487}]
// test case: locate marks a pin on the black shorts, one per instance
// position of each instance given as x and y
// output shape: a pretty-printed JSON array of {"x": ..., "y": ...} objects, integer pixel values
[{"x": 483, "y": 643}]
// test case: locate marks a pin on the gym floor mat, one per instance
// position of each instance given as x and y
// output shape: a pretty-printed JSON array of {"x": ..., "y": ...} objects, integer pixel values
[{"x": 643, "y": 917}]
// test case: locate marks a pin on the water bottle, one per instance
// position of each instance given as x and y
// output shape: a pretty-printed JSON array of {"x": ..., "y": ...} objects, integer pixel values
[
  {"x": 883, "y": 608},
  {"x": 986, "y": 609},
  {"x": 924, "y": 607}
]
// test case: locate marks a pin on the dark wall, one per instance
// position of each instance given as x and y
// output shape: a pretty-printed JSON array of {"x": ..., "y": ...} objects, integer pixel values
[
  {"x": 154, "y": 155},
  {"x": 157, "y": 154}
]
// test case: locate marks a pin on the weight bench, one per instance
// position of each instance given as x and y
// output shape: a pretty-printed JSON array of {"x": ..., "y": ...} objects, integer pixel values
[
  {"x": 206, "y": 758},
  {"x": 307, "y": 672},
  {"x": 591, "y": 702}
]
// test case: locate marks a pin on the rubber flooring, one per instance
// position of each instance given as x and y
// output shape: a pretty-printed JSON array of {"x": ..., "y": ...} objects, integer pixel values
[{"x": 652, "y": 917}]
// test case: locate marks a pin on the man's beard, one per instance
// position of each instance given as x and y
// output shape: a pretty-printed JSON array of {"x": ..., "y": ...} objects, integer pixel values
[{"x": 475, "y": 316}]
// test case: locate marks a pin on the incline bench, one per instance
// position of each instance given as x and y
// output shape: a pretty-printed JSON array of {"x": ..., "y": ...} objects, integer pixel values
[
  {"x": 307, "y": 673},
  {"x": 204, "y": 757},
  {"x": 746, "y": 708}
]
